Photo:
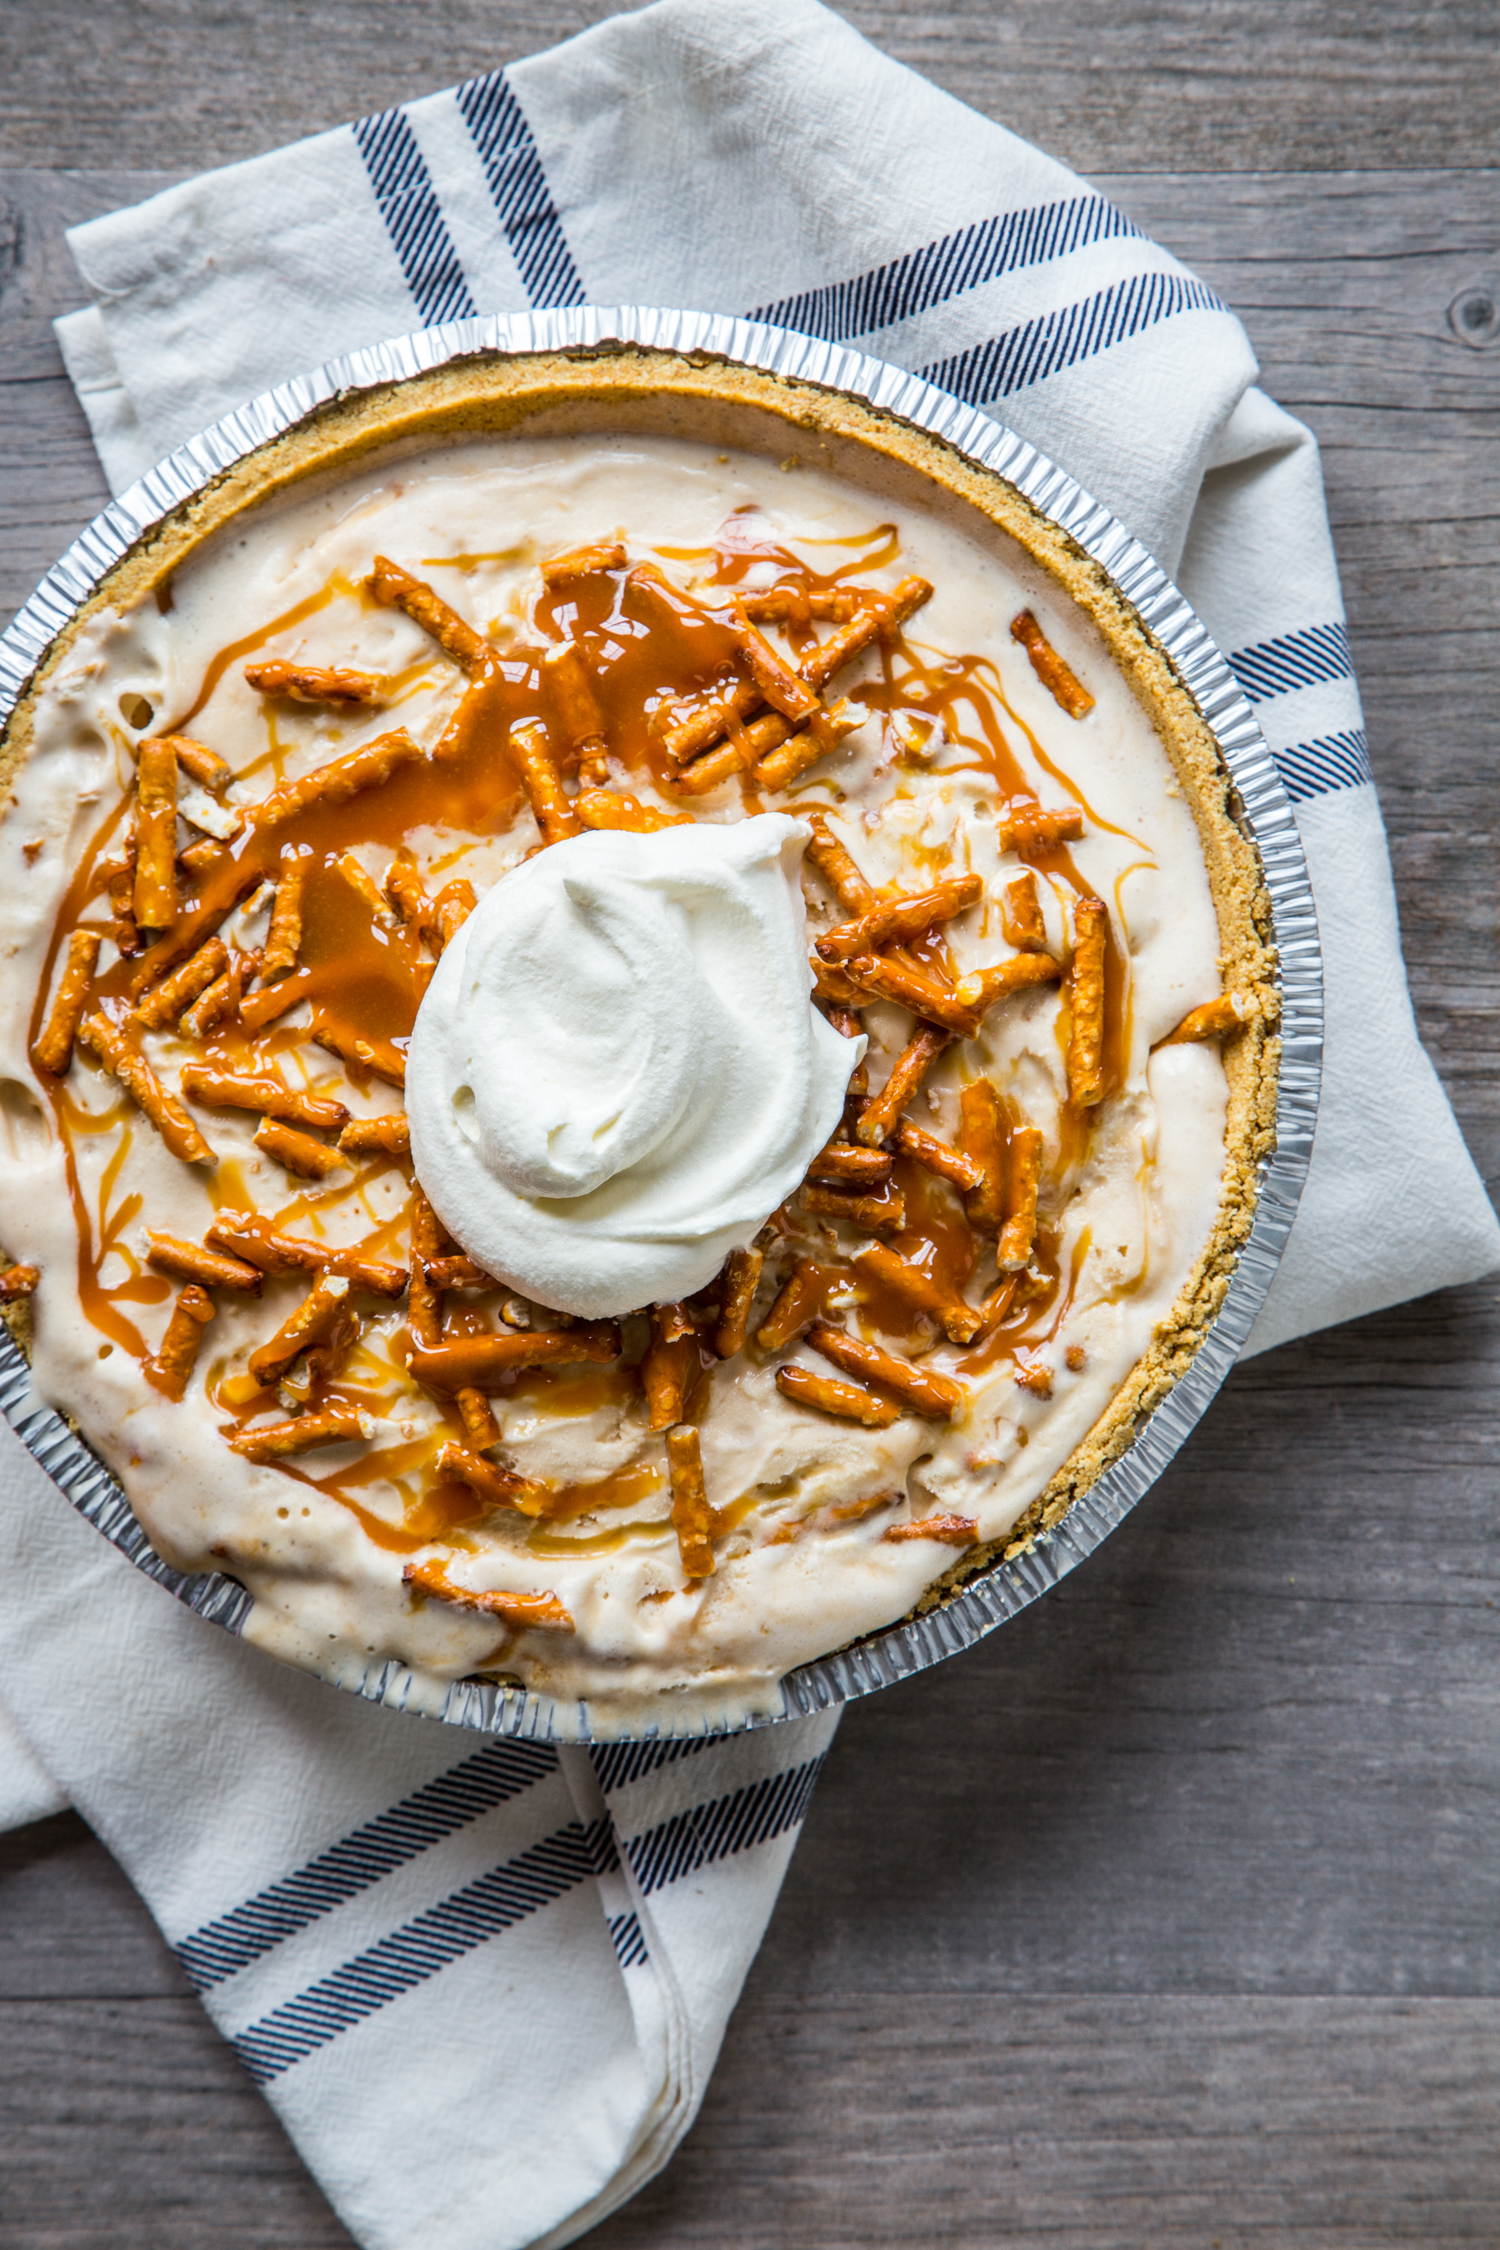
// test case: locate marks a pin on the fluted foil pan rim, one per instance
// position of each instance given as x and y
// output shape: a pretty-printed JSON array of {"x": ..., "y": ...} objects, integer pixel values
[{"x": 1005, "y": 1588}]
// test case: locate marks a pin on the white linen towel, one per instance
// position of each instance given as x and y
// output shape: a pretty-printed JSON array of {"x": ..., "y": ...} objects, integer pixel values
[{"x": 484, "y": 1984}]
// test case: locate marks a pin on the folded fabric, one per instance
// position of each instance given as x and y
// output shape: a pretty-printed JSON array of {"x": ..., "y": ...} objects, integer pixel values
[{"x": 484, "y": 1983}]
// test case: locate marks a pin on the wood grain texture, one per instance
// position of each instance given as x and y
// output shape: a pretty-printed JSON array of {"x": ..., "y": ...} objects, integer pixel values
[{"x": 1170, "y": 1913}]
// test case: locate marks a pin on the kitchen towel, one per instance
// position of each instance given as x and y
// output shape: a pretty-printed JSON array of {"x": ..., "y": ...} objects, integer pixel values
[{"x": 484, "y": 1984}]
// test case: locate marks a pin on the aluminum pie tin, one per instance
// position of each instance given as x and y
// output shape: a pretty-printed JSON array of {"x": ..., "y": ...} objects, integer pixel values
[{"x": 1262, "y": 810}]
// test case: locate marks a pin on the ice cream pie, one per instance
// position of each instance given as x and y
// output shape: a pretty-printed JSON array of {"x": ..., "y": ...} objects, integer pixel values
[{"x": 635, "y": 1030}]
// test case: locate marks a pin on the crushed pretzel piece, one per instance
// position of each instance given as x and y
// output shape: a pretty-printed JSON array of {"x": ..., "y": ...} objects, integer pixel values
[
  {"x": 155, "y": 900},
  {"x": 276, "y": 1441},
  {"x": 284, "y": 939},
  {"x": 584, "y": 562},
  {"x": 197, "y": 859},
  {"x": 741, "y": 1279},
  {"x": 359, "y": 879},
  {"x": 1032, "y": 828},
  {"x": 884, "y": 615},
  {"x": 176, "y": 993},
  {"x": 407, "y": 893},
  {"x": 692, "y": 1517},
  {"x": 833, "y": 863},
  {"x": 245, "y": 1234},
  {"x": 525, "y": 1612},
  {"x": 1021, "y": 915},
  {"x": 205, "y": 766},
  {"x": 498, "y": 1486},
  {"x": 480, "y": 1427},
  {"x": 458, "y": 1272},
  {"x": 835, "y": 987},
  {"x": 1077, "y": 1358},
  {"x": 380, "y": 1057},
  {"x": 319, "y": 683},
  {"x": 455, "y": 902},
  {"x": 849, "y": 1401},
  {"x": 937, "y": 1398},
  {"x": 1086, "y": 993},
  {"x": 322, "y": 1318},
  {"x": 893, "y": 980},
  {"x": 1061, "y": 682},
  {"x": 341, "y": 779},
  {"x": 878, "y": 1214},
  {"x": 849, "y": 1166},
  {"x": 959, "y": 1322},
  {"x": 17, "y": 1282},
  {"x": 568, "y": 680},
  {"x": 606, "y": 808},
  {"x": 130, "y": 1067},
  {"x": 878, "y": 1117},
  {"x": 1018, "y": 1235},
  {"x": 952, "y": 1531},
  {"x": 982, "y": 1135},
  {"x": 896, "y": 920},
  {"x": 53, "y": 1052},
  {"x": 227, "y": 1089},
  {"x": 549, "y": 801},
  {"x": 397, "y": 588},
  {"x": 799, "y": 1302},
  {"x": 298, "y": 1152},
  {"x": 191, "y": 1261},
  {"x": 979, "y": 992},
  {"x": 485, "y": 1363},
  {"x": 1216, "y": 1019},
  {"x": 372, "y": 1136},
  {"x": 1035, "y": 1376},
  {"x": 168, "y": 1370},
  {"x": 936, "y": 1156}
]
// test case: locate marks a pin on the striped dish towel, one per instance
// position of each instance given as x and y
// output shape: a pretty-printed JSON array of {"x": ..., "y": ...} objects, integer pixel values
[{"x": 484, "y": 1985}]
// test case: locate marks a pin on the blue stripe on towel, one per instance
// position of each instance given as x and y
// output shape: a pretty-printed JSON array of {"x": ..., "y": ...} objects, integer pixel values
[
  {"x": 705, "y": 1833},
  {"x": 500, "y": 1771},
  {"x": 948, "y": 267},
  {"x": 519, "y": 189},
  {"x": 423, "y": 1946},
  {"x": 1313, "y": 769},
  {"x": 1060, "y": 339},
  {"x": 413, "y": 216},
  {"x": 1294, "y": 660},
  {"x": 629, "y": 1940},
  {"x": 617, "y": 1763}
]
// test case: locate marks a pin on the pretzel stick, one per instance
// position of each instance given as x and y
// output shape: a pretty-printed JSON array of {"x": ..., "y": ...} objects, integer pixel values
[
  {"x": 226, "y": 1089},
  {"x": 879, "y": 1214},
  {"x": 498, "y": 1486},
  {"x": 670, "y": 1364},
  {"x": 318, "y": 683},
  {"x": 603, "y": 808},
  {"x": 741, "y": 1277},
  {"x": 792, "y": 605},
  {"x": 555, "y": 816},
  {"x": 1035, "y": 828},
  {"x": 848, "y": 1026},
  {"x": 484, "y": 1363},
  {"x": 701, "y": 729},
  {"x": 379, "y": 1056},
  {"x": 834, "y": 986},
  {"x": 54, "y": 1050},
  {"x": 168, "y": 1370},
  {"x": 584, "y": 562},
  {"x": 245, "y": 1234},
  {"x": 782, "y": 688},
  {"x": 896, "y": 920},
  {"x": 340, "y": 779},
  {"x": 205, "y": 766},
  {"x": 372, "y": 1136},
  {"x": 336, "y": 1425},
  {"x": 455, "y": 903},
  {"x": 1018, "y": 1235},
  {"x": 298, "y": 1152},
  {"x": 360, "y": 879},
  {"x": 846, "y": 1400},
  {"x": 982, "y": 1133},
  {"x": 176, "y": 993},
  {"x": 879, "y": 1115},
  {"x": 1021, "y": 915},
  {"x": 799, "y": 1301},
  {"x": 1086, "y": 991},
  {"x": 1216, "y": 1019},
  {"x": 952, "y": 1531},
  {"x": 397, "y": 588},
  {"x": 130, "y": 1067},
  {"x": 1060, "y": 681},
  {"x": 958, "y": 1321},
  {"x": 692, "y": 1517},
  {"x": 424, "y": 1302},
  {"x": 284, "y": 938},
  {"x": 893, "y": 980},
  {"x": 480, "y": 1426},
  {"x": 745, "y": 746},
  {"x": 17, "y": 1282},
  {"x": 853, "y": 1167},
  {"x": 936, "y": 1156},
  {"x": 197, "y": 859},
  {"x": 936, "y": 1397},
  {"x": 156, "y": 900},
  {"x": 459, "y": 1273},
  {"x": 408, "y": 895},
  {"x": 578, "y": 714},
  {"x": 319, "y": 1319},
  {"x": 191, "y": 1262},
  {"x": 257, "y": 1009},
  {"x": 543, "y": 1612},
  {"x": 980, "y": 991},
  {"x": 837, "y": 869},
  {"x": 867, "y": 625},
  {"x": 779, "y": 768}
]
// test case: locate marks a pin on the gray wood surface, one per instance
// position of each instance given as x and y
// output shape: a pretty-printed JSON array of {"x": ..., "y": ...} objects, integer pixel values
[{"x": 1170, "y": 1915}]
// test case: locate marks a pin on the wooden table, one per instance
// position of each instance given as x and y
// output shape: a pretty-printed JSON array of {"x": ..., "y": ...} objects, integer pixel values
[{"x": 1170, "y": 1915}]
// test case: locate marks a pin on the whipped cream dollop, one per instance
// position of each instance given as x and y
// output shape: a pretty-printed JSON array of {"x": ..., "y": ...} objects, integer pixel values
[{"x": 617, "y": 1072}]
